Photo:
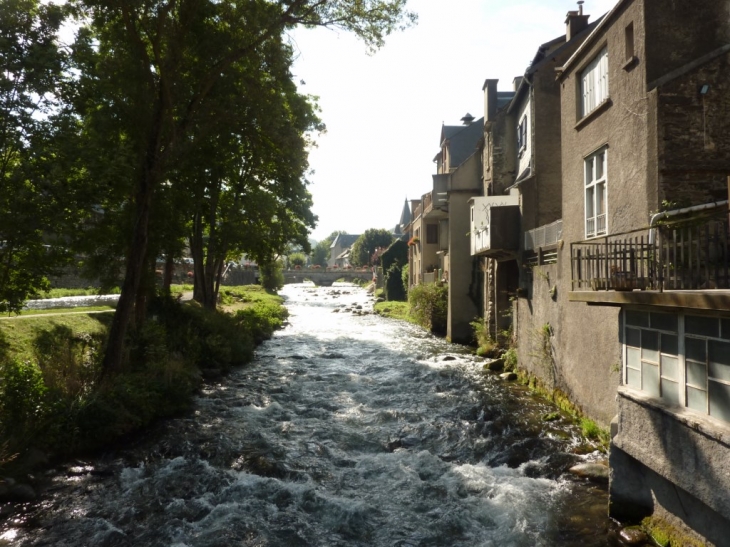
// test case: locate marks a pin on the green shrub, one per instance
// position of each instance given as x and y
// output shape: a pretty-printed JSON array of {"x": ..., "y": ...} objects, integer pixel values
[
  {"x": 429, "y": 306},
  {"x": 510, "y": 359},
  {"x": 394, "y": 290},
  {"x": 404, "y": 277},
  {"x": 23, "y": 405},
  {"x": 272, "y": 278},
  {"x": 297, "y": 259}
]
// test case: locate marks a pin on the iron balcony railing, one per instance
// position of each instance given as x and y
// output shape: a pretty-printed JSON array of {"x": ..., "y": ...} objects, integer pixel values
[{"x": 686, "y": 254}]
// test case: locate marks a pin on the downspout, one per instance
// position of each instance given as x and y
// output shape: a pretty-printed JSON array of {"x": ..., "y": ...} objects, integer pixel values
[{"x": 666, "y": 214}]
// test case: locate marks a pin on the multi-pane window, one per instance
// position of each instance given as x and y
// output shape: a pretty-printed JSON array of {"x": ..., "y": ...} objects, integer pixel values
[
  {"x": 595, "y": 193},
  {"x": 594, "y": 83},
  {"x": 684, "y": 360},
  {"x": 522, "y": 134}
]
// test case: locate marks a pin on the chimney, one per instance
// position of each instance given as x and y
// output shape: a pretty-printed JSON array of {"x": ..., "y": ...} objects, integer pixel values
[
  {"x": 490, "y": 99},
  {"x": 575, "y": 21},
  {"x": 466, "y": 120},
  {"x": 517, "y": 82}
]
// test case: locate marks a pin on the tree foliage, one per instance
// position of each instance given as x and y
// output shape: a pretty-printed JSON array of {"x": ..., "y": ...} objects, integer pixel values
[
  {"x": 165, "y": 123},
  {"x": 365, "y": 245}
]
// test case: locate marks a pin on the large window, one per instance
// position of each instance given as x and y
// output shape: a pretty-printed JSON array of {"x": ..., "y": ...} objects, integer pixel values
[
  {"x": 684, "y": 360},
  {"x": 594, "y": 83},
  {"x": 595, "y": 193}
]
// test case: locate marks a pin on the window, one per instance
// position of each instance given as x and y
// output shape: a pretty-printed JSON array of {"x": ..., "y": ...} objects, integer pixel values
[
  {"x": 694, "y": 373},
  {"x": 595, "y": 190},
  {"x": 522, "y": 134},
  {"x": 432, "y": 233},
  {"x": 594, "y": 83},
  {"x": 629, "y": 41}
]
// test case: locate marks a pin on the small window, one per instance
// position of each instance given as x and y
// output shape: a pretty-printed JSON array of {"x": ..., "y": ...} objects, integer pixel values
[
  {"x": 594, "y": 83},
  {"x": 629, "y": 41},
  {"x": 432, "y": 234},
  {"x": 522, "y": 134}
]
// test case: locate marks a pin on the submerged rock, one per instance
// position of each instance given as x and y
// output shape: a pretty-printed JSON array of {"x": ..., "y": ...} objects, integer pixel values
[
  {"x": 633, "y": 536},
  {"x": 592, "y": 471}
]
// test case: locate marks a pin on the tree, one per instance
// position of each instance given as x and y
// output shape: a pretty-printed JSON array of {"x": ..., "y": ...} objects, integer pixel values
[
  {"x": 297, "y": 259},
  {"x": 366, "y": 244},
  {"x": 321, "y": 252},
  {"x": 152, "y": 67},
  {"x": 32, "y": 198}
]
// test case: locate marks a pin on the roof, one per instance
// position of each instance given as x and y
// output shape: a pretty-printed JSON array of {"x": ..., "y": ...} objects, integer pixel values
[
  {"x": 344, "y": 241},
  {"x": 463, "y": 140},
  {"x": 405, "y": 216},
  {"x": 594, "y": 33},
  {"x": 544, "y": 55}
]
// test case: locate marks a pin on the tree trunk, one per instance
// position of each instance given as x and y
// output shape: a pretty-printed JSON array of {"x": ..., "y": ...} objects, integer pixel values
[
  {"x": 133, "y": 274},
  {"x": 167, "y": 274}
]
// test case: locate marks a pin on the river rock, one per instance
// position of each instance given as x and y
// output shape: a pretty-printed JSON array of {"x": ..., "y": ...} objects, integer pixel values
[
  {"x": 495, "y": 365},
  {"x": 449, "y": 358},
  {"x": 592, "y": 471},
  {"x": 508, "y": 376},
  {"x": 633, "y": 536},
  {"x": 336, "y": 310}
]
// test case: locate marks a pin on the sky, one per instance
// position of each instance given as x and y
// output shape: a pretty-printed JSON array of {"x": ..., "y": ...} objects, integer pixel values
[{"x": 384, "y": 112}]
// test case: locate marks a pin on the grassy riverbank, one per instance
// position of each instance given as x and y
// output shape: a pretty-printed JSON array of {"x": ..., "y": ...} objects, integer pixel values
[{"x": 54, "y": 402}]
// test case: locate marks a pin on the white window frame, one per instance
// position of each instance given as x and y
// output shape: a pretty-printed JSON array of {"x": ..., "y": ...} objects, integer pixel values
[
  {"x": 680, "y": 380},
  {"x": 594, "y": 83},
  {"x": 522, "y": 134},
  {"x": 595, "y": 191}
]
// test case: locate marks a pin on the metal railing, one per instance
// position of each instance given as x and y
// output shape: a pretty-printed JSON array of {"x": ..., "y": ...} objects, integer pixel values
[
  {"x": 549, "y": 234},
  {"x": 686, "y": 254}
]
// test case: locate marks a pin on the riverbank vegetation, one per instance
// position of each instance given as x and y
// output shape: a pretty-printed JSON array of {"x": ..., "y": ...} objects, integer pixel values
[
  {"x": 426, "y": 306},
  {"x": 55, "y": 398}
]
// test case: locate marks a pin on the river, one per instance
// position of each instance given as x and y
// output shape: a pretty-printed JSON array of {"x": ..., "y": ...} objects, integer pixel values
[{"x": 346, "y": 430}]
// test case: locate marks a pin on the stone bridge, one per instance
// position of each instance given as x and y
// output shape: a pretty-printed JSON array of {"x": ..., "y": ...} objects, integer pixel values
[{"x": 325, "y": 278}]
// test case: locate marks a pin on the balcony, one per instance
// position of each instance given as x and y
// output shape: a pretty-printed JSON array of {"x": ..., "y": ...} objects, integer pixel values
[
  {"x": 495, "y": 226},
  {"x": 679, "y": 263}
]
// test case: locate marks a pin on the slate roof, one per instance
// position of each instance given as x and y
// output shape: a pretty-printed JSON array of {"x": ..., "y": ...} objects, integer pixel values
[
  {"x": 344, "y": 241},
  {"x": 405, "y": 216},
  {"x": 463, "y": 140}
]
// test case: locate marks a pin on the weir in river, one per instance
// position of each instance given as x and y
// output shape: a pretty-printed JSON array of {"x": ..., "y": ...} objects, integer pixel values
[{"x": 348, "y": 429}]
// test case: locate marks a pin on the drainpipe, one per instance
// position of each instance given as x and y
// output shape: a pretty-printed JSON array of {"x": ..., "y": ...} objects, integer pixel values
[{"x": 666, "y": 214}]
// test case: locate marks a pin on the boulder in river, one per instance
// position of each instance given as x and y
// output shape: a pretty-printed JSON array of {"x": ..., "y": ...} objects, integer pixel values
[
  {"x": 508, "y": 376},
  {"x": 595, "y": 472},
  {"x": 633, "y": 535},
  {"x": 495, "y": 365}
]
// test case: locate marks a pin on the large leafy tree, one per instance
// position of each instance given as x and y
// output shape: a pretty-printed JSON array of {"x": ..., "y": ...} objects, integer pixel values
[
  {"x": 365, "y": 245},
  {"x": 32, "y": 195},
  {"x": 151, "y": 70}
]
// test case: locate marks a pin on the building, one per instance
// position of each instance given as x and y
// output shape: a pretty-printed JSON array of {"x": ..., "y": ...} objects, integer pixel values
[
  {"x": 644, "y": 255},
  {"x": 339, "y": 250}
]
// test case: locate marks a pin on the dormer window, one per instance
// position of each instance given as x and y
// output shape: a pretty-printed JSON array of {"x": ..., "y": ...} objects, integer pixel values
[{"x": 594, "y": 83}]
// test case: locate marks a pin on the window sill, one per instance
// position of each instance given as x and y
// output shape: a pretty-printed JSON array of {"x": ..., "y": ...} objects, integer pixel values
[
  {"x": 593, "y": 113},
  {"x": 705, "y": 424},
  {"x": 630, "y": 63}
]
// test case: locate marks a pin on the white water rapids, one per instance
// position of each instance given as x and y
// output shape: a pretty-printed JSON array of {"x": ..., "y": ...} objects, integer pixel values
[{"x": 347, "y": 430}]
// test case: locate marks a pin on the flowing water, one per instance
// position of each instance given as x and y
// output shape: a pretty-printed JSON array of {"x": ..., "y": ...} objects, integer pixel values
[{"x": 347, "y": 430}]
